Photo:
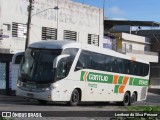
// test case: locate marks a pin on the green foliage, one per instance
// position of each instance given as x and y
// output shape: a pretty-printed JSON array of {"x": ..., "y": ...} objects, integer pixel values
[
  {"x": 143, "y": 108},
  {"x": 2, "y": 118}
]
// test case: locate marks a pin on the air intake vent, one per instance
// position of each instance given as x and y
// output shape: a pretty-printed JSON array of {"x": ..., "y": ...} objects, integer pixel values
[{"x": 144, "y": 93}]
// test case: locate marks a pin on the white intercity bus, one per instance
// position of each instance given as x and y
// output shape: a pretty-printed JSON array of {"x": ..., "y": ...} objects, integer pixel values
[{"x": 74, "y": 72}]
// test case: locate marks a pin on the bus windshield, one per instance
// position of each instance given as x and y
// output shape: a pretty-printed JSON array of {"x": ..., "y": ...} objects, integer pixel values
[{"x": 37, "y": 65}]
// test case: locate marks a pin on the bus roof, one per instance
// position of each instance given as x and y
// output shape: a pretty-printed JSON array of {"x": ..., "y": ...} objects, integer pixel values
[
  {"x": 52, "y": 44},
  {"x": 62, "y": 44}
]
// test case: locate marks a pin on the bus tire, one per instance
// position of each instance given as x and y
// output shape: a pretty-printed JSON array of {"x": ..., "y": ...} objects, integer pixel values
[
  {"x": 133, "y": 98},
  {"x": 126, "y": 99},
  {"x": 43, "y": 102},
  {"x": 75, "y": 98}
]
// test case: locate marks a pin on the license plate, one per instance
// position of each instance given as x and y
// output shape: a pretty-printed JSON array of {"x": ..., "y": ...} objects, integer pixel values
[{"x": 30, "y": 95}]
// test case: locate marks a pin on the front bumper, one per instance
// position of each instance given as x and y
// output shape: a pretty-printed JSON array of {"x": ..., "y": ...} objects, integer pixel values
[{"x": 47, "y": 95}]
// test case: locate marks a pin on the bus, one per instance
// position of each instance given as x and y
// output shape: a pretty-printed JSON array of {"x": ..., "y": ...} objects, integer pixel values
[{"x": 72, "y": 72}]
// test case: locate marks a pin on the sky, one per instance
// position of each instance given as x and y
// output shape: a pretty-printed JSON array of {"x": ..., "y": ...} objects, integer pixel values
[{"x": 141, "y": 10}]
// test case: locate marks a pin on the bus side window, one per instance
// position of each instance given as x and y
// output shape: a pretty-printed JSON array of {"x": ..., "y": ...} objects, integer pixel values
[
  {"x": 113, "y": 64},
  {"x": 127, "y": 67},
  {"x": 132, "y": 68},
  {"x": 145, "y": 69},
  {"x": 84, "y": 61},
  {"x": 140, "y": 69},
  {"x": 107, "y": 63},
  {"x": 120, "y": 66},
  {"x": 97, "y": 61}
]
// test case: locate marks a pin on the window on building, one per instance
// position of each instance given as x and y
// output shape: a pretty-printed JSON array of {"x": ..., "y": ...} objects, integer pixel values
[
  {"x": 93, "y": 39},
  {"x": 124, "y": 47},
  {"x": 130, "y": 48},
  {"x": 49, "y": 33},
  {"x": 19, "y": 30},
  {"x": 70, "y": 35}
]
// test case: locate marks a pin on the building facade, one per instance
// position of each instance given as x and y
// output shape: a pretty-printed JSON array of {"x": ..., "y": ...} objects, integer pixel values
[
  {"x": 136, "y": 46},
  {"x": 154, "y": 35},
  {"x": 50, "y": 19}
]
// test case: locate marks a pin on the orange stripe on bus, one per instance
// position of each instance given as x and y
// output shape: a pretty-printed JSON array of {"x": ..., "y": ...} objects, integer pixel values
[
  {"x": 115, "y": 81},
  {"x": 125, "y": 80},
  {"x": 121, "y": 89},
  {"x": 133, "y": 58},
  {"x": 85, "y": 76}
]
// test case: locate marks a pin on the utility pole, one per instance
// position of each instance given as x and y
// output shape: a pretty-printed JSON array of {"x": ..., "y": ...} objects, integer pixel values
[
  {"x": 104, "y": 1},
  {"x": 29, "y": 23}
]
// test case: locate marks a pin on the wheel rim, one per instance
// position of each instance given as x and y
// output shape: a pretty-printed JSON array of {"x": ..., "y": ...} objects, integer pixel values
[
  {"x": 133, "y": 98},
  {"x": 126, "y": 99},
  {"x": 75, "y": 97}
]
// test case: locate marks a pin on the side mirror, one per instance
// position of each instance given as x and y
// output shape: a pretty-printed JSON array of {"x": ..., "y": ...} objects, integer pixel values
[
  {"x": 16, "y": 59},
  {"x": 78, "y": 68},
  {"x": 57, "y": 59}
]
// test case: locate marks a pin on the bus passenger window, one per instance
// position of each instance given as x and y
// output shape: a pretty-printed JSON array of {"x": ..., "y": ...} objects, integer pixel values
[
  {"x": 84, "y": 61},
  {"x": 113, "y": 64},
  {"x": 107, "y": 64}
]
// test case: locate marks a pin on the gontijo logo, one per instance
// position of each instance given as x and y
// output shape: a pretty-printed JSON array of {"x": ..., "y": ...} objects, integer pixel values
[{"x": 96, "y": 77}]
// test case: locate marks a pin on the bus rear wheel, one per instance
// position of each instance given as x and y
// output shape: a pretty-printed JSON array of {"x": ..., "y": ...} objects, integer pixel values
[
  {"x": 75, "y": 98},
  {"x": 126, "y": 99},
  {"x": 133, "y": 98}
]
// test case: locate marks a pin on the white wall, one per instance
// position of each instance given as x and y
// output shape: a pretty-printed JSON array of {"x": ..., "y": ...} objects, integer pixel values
[
  {"x": 134, "y": 38},
  {"x": 72, "y": 16},
  {"x": 135, "y": 46},
  {"x": 138, "y": 47},
  {"x": 150, "y": 58}
]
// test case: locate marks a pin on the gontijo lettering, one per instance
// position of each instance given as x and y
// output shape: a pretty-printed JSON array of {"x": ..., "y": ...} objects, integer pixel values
[{"x": 98, "y": 77}]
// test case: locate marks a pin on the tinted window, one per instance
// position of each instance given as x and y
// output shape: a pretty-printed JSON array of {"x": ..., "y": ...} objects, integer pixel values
[
  {"x": 97, "y": 61},
  {"x": 84, "y": 61},
  {"x": 69, "y": 61}
]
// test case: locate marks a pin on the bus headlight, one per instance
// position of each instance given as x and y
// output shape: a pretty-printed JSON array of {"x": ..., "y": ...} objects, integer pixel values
[
  {"x": 19, "y": 83},
  {"x": 46, "y": 89},
  {"x": 53, "y": 86}
]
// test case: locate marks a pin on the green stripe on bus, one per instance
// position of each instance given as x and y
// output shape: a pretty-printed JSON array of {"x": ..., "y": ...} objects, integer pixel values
[
  {"x": 120, "y": 79},
  {"x": 131, "y": 80},
  {"x": 108, "y": 78},
  {"x": 116, "y": 88},
  {"x": 140, "y": 82},
  {"x": 82, "y": 75}
]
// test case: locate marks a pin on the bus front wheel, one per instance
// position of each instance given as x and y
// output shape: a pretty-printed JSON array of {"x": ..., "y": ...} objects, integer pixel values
[{"x": 75, "y": 98}]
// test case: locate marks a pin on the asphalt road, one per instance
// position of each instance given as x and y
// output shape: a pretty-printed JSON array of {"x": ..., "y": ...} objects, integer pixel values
[{"x": 13, "y": 103}]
